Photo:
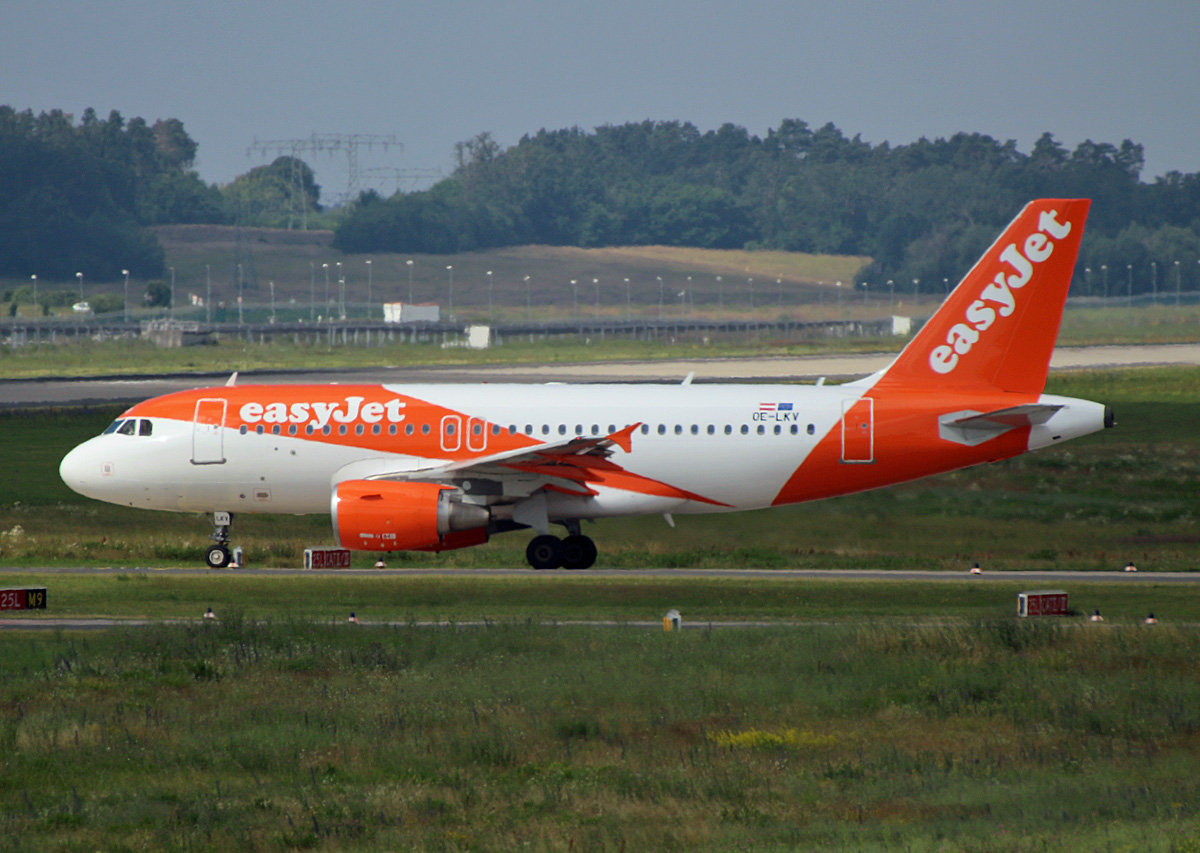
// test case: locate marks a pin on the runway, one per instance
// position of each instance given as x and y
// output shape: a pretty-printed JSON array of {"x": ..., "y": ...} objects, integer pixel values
[
  {"x": 114, "y": 390},
  {"x": 637, "y": 574}
]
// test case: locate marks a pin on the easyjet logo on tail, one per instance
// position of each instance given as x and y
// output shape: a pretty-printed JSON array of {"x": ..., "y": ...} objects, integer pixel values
[{"x": 999, "y": 296}]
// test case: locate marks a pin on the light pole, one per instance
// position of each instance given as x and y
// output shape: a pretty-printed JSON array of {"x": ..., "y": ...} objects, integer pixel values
[
  {"x": 1178, "y": 277},
  {"x": 779, "y": 289},
  {"x": 1129, "y": 271},
  {"x": 126, "y": 305},
  {"x": 596, "y": 284},
  {"x": 528, "y": 301},
  {"x": 838, "y": 285},
  {"x": 1153, "y": 282},
  {"x": 660, "y": 296},
  {"x": 33, "y": 278},
  {"x": 207, "y": 294},
  {"x": 171, "y": 307},
  {"x": 342, "y": 298},
  {"x": 368, "y": 262},
  {"x": 410, "y": 290},
  {"x": 628, "y": 301},
  {"x": 79, "y": 276},
  {"x": 240, "y": 319},
  {"x": 891, "y": 293},
  {"x": 312, "y": 291},
  {"x": 574, "y": 299},
  {"x": 1104, "y": 278},
  {"x": 450, "y": 271},
  {"x": 750, "y": 282},
  {"x": 866, "y": 287},
  {"x": 325, "y": 307},
  {"x": 489, "y": 275},
  {"x": 720, "y": 299},
  {"x": 272, "y": 284},
  {"x": 1087, "y": 280}
]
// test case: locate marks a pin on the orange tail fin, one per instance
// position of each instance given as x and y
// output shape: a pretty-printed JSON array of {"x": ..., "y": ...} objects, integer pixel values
[{"x": 997, "y": 328}]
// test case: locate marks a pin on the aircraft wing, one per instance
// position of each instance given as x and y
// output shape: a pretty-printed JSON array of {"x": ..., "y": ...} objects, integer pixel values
[
  {"x": 972, "y": 428},
  {"x": 572, "y": 465}
]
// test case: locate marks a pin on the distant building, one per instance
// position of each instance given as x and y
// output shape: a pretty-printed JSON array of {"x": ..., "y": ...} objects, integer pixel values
[{"x": 411, "y": 312}]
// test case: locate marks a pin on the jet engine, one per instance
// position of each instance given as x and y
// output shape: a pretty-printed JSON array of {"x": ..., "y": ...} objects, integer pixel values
[{"x": 382, "y": 515}]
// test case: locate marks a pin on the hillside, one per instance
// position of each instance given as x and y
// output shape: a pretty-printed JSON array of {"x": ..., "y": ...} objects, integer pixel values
[{"x": 295, "y": 261}]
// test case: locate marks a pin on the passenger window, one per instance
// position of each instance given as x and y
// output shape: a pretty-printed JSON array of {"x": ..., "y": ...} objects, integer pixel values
[
  {"x": 359, "y": 429},
  {"x": 562, "y": 429},
  {"x": 275, "y": 430},
  {"x": 342, "y": 429},
  {"x": 795, "y": 429},
  {"x": 476, "y": 429},
  {"x": 145, "y": 427},
  {"x": 645, "y": 429},
  {"x": 762, "y": 430},
  {"x": 662, "y": 429},
  {"x": 449, "y": 427},
  {"x": 611, "y": 429},
  {"x": 778, "y": 429},
  {"x": 695, "y": 429},
  {"x": 292, "y": 429},
  {"x": 424, "y": 429},
  {"x": 241, "y": 430},
  {"x": 326, "y": 430},
  {"x": 678, "y": 429},
  {"x": 495, "y": 429},
  {"x": 712, "y": 430},
  {"x": 811, "y": 429},
  {"x": 728, "y": 429},
  {"x": 545, "y": 429},
  {"x": 745, "y": 429},
  {"x": 579, "y": 429},
  {"x": 376, "y": 429},
  {"x": 259, "y": 429}
]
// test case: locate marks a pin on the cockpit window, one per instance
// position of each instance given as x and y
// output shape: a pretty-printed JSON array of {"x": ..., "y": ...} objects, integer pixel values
[
  {"x": 145, "y": 427},
  {"x": 129, "y": 427},
  {"x": 113, "y": 427}
]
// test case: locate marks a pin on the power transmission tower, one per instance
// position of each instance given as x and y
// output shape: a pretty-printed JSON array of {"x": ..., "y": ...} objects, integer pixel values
[
  {"x": 331, "y": 142},
  {"x": 404, "y": 180}
]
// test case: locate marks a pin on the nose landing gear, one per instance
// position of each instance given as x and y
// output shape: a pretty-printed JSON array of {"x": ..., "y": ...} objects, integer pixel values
[{"x": 218, "y": 556}]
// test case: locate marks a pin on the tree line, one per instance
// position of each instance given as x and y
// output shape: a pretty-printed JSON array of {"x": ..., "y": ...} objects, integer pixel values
[
  {"x": 923, "y": 211},
  {"x": 74, "y": 196}
]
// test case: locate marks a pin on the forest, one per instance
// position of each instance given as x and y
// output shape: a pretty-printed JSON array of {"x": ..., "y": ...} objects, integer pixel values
[
  {"x": 923, "y": 211},
  {"x": 75, "y": 195}
]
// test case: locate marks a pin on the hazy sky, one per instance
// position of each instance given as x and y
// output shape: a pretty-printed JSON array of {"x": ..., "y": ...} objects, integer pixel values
[{"x": 437, "y": 72}]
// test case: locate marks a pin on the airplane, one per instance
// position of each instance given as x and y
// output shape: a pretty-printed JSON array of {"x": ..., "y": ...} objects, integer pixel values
[{"x": 439, "y": 467}]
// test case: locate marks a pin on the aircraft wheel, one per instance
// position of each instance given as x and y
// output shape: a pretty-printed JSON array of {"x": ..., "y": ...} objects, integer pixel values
[
  {"x": 217, "y": 557},
  {"x": 545, "y": 552},
  {"x": 578, "y": 552}
]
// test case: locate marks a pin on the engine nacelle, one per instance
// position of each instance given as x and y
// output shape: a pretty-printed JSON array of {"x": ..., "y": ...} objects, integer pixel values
[{"x": 382, "y": 515}]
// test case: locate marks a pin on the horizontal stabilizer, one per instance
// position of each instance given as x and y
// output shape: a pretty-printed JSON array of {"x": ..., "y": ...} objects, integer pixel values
[{"x": 972, "y": 428}]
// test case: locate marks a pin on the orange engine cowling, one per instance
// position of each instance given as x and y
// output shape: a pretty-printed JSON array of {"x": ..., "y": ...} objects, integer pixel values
[{"x": 381, "y": 515}]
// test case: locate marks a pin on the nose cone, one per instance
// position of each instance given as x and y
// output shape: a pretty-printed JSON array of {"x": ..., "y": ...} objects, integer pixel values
[{"x": 81, "y": 469}]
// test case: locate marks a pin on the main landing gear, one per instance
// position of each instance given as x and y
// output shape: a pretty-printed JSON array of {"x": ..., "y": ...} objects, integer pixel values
[
  {"x": 218, "y": 556},
  {"x": 575, "y": 551}
]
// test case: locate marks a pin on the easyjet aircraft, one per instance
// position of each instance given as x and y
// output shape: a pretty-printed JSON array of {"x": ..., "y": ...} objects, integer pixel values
[{"x": 438, "y": 467}]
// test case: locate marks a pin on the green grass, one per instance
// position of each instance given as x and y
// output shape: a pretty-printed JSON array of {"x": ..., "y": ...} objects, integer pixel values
[
  {"x": 575, "y": 597},
  {"x": 245, "y": 735}
]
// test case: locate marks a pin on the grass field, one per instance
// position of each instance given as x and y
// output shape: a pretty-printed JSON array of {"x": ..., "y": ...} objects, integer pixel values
[{"x": 285, "y": 735}]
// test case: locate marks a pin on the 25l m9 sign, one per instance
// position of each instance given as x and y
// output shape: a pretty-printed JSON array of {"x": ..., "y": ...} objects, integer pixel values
[{"x": 32, "y": 598}]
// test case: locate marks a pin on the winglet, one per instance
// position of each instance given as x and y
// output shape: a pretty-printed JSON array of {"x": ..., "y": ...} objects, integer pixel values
[
  {"x": 624, "y": 438},
  {"x": 232, "y": 381},
  {"x": 997, "y": 328}
]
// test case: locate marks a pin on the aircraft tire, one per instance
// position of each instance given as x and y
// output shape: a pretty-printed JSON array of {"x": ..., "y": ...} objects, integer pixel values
[
  {"x": 217, "y": 557},
  {"x": 545, "y": 552},
  {"x": 579, "y": 552}
]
